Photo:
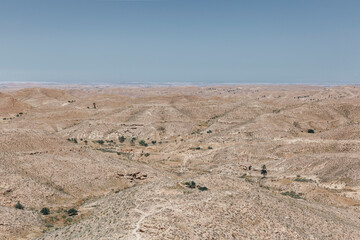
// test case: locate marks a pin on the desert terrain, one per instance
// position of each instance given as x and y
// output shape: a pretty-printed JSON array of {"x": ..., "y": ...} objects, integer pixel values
[{"x": 217, "y": 162}]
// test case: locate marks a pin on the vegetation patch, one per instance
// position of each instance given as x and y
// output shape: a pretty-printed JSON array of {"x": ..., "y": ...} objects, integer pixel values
[
  {"x": 143, "y": 143},
  {"x": 299, "y": 179},
  {"x": 101, "y": 142},
  {"x": 72, "y": 212},
  {"x": 202, "y": 188},
  {"x": 74, "y": 140},
  {"x": 45, "y": 211},
  {"x": 18, "y": 205},
  {"x": 192, "y": 184},
  {"x": 197, "y": 148},
  {"x": 121, "y": 139},
  {"x": 292, "y": 194}
]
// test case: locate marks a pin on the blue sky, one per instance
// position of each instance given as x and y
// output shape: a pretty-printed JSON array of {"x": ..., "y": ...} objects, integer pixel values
[{"x": 174, "y": 41}]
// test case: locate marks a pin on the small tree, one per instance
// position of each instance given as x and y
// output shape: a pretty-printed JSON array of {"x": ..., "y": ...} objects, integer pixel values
[
  {"x": 122, "y": 139},
  {"x": 264, "y": 171},
  {"x": 45, "y": 211},
  {"x": 19, "y": 206}
]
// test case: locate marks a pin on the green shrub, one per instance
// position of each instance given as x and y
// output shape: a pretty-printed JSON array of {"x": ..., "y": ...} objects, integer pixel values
[
  {"x": 210, "y": 147},
  {"x": 197, "y": 148},
  {"x": 72, "y": 212},
  {"x": 18, "y": 205},
  {"x": 101, "y": 142},
  {"x": 311, "y": 131},
  {"x": 263, "y": 170},
  {"x": 292, "y": 194},
  {"x": 153, "y": 142},
  {"x": 202, "y": 188},
  {"x": 122, "y": 139},
  {"x": 147, "y": 154},
  {"x": 299, "y": 179},
  {"x": 45, "y": 211},
  {"x": 209, "y": 131},
  {"x": 48, "y": 225},
  {"x": 143, "y": 143},
  {"x": 191, "y": 184}
]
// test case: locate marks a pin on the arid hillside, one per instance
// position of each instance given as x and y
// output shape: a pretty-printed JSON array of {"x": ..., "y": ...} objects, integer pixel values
[{"x": 234, "y": 162}]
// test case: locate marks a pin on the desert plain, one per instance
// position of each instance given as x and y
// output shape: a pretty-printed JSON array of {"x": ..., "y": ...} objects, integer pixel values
[{"x": 180, "y": 162}]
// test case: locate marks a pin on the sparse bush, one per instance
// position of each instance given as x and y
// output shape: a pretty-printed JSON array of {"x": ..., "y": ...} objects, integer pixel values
[
  {"x": 299, "y": 179},
  {"x": 197, "y": 148},
  {"x": 45, "y": 211},
  {"x": 143, "y": 143},
  {"x": 18, "y": 205},
  {"x": 122, "y": 139},
  {"x": 202, "y": 188},
  {"x": 191, "y": 184},
  {"x": 147, "y": 154},
  {"x": 74, "y": 140},
  {"x": 209, "y": 131},
  {"x": 264, "y": 171},
  {"x": 292, "y": 194},
  {"x": 101, "y": 142},
  {"x": 210, "y": 147},
  {"x": 72, "y": 212}
]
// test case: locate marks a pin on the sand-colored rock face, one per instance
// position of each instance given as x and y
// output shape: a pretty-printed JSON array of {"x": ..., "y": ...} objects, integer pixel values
[{"x": 127, "y": 166}]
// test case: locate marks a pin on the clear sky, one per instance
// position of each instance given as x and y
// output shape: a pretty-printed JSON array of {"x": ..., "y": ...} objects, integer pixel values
[{"x": 175, "y": 41}]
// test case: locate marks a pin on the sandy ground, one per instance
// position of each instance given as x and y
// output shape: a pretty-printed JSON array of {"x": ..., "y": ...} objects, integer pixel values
[{"x": 125, "y": 157}]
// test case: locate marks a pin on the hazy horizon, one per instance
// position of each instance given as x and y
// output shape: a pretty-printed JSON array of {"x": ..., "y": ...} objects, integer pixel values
[{"x": 175, "y": 42}]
